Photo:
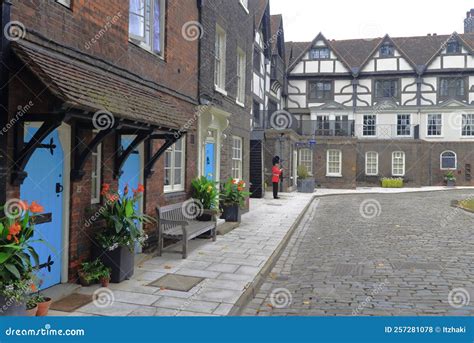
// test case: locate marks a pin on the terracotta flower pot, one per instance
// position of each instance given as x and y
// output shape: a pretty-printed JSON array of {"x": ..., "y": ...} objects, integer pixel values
[
  {"x": 43, "y": 308},
  {"x": 32, "y": 312},
  {"x": 105, "y": 282}
]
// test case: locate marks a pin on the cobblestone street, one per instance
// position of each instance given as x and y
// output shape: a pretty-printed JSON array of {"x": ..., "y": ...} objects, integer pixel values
[{"x": 383, "y": 255}]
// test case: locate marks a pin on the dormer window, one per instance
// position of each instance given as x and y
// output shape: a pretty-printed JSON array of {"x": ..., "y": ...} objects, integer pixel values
[
  {"x": 387, "y": 50},
  {"x": 319, "y": 54},
  {"x": 453, "y": 47}
]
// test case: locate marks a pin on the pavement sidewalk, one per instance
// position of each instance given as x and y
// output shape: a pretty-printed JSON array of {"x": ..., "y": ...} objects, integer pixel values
[{"x": 229, "y": 267}]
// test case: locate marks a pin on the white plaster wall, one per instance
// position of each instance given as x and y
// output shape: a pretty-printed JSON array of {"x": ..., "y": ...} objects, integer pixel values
[
  {"x": 327, "y": 66},
  {"x": 340, "y": 68},
  {"x": 312, "y": 66},
  {"x": 370, "y": 66},
  {"x": 436, "y": 64},
  {"x": 299, "y": 99},
  {"x": 343, "y": 98},
  {"x": 429, "y": 96},
  {"x": 431, "y": 81},
  {"x": 298, "y": 69},
  {"x": 387, "y": 64},
  {"x": 295, "y": 86},
  {"x": 470, "y": 61},
  {"x": 404, "y": 65},
  {"x": 453, "y": 62},
  {"x": 452, "y": 127},
  {"x": 408, "y": 81},
  {"x": 339, "y": 85}
]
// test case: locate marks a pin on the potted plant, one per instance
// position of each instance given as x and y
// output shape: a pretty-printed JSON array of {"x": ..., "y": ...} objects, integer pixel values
[
  {"x": 31, "y": 306},
  {"x": 450, "y": 179},
  {"x": 18, "y": 258},
  {"x": 205, "y": 191},
  {"x": 233, "y": 196},
  {"x": 305, "y": 184},
  {"x": 115, "y": 243},
  {"x": 44, "y": 304},
  {"x": 93, "y": 272}
]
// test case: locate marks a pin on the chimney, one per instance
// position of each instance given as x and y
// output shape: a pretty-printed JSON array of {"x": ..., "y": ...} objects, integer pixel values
[{"x": 469, "y": 22}]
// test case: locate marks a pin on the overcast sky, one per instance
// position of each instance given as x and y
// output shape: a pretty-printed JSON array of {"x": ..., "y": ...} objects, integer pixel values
[{"x": 346, "y": 19}]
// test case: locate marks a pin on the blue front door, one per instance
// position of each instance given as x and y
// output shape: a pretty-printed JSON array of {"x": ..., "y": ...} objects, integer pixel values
[
  {"x": 131, "y": 170},
  {"x": 44, "y": 185},
  {"x": 210, "y": 161}
]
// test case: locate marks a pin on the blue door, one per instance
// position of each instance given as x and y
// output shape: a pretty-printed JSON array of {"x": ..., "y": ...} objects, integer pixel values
[
  {"x": 131, "y": 170},
  {"x": 44, "y": 185},
  {"x": 210, "y": 161}
]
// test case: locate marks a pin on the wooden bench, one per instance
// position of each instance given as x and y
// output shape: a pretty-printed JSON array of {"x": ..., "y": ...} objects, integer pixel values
[{"x": 172, "y": 224}]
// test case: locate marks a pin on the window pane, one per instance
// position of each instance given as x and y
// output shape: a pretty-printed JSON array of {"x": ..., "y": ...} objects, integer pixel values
[
  {"x": 167, "y": 177},
  {"x": 178, "y": 159},
  {"x": 177, "y": 177},
  {"x": 157, "y": 26}
]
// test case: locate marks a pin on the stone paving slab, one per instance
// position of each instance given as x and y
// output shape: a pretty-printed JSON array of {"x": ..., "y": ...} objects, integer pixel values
[{"x": 228, "y": 267}]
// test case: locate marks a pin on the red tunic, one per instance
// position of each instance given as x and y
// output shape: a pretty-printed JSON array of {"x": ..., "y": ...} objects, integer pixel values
[{"x": 276, "y": 172}]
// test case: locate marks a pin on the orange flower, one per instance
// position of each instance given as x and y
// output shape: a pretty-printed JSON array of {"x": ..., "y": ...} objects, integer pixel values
[
  {"x": 33, "y": 287},
  {"x": 234, "y": 181},
  {"x": 240, "y": 189},
  {"x": 105, "y": 189},
  {"x": 111, "y": 197},
  {"x": 140, "y": 189},
  {"x": 36, "y": 208},
  {"x": 13, "y": 231}
]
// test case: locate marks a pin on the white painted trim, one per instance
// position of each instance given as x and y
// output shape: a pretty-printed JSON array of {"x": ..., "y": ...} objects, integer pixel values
[
  {"x": 455, "y": 160},
  {"x": 328, "y": 174},
  {"x": 404, "y": 163},
  {"x": 377, "y": 159},
  {"x": 64, "y": 132}
]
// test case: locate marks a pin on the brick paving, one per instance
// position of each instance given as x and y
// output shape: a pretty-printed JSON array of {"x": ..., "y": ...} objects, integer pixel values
[{"x": 375, "y": 254}]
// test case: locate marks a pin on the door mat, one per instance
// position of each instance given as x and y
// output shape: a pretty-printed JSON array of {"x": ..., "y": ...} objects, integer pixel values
[
  {"x": 71, "y": 303},
  {"x": 175, "y": 282}
]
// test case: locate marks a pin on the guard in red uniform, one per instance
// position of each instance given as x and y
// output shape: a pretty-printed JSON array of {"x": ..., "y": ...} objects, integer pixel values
[{"x": 276, "y": 173}]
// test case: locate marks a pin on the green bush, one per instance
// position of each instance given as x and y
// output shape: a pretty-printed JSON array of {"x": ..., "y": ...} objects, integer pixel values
[
  {"x": 302, "y": 172},
  {"x": 392, "y": 183}
]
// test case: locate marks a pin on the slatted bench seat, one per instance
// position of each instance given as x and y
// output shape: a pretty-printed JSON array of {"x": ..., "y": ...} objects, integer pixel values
[{"x": 172, "y": 224}]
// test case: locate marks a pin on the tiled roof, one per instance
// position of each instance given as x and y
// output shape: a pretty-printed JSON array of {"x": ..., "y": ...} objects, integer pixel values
[
  {"x": 419, "y": 50},
  {"x": 79, "y": 82},
  {"x": 259, "y": 7}
]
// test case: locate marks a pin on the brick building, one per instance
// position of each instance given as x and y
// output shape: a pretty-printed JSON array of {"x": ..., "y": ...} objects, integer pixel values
[
  {"x": 98, "y": 92},
  {"x": 224, "y": 89}
]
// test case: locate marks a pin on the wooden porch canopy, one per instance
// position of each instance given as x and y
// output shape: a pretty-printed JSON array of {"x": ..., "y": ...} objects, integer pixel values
[{"x": 100, "y": 97}]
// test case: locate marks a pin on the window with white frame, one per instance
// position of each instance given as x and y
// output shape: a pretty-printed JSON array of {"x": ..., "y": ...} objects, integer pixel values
[
  {"x": 404, "y": 125},
  {"x": 370, "y": 125},
  {"x": 241, "y": 71},
  {"x": 468, "y": 125},
  {"x": 96, "y": 174},
  {"x": 371, "y": 163},
  {"x": 306, "y": 159},
  {"x": 435, "y": 125},
  {"x": 175, "y": 160},
  {"x": 398, "y": 163},
  {"x": 448, "y": 160},
  {"x": 147, "y": 24},
  {"x": 334, "y": 163},
  {"x": 237, "y": 158},
  {"x": 219, "y": 63}
]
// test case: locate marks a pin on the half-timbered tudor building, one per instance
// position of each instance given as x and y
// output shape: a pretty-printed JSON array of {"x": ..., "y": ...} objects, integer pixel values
[
  {"x": 386, "y": 107},
  {"x": 95, "y": 92}
]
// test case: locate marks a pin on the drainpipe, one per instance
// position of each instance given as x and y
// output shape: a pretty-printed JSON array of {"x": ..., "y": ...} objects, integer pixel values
[{"x": 4, "y": 95}]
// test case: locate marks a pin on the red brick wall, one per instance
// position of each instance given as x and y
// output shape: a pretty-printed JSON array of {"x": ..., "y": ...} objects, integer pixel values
[
  {"x": 177, "y": 74},
  {"x": 76, "y": 28}
]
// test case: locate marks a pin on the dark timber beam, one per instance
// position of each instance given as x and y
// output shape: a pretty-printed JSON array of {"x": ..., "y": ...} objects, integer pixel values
[
  {"x": 23, "y": 152},
  {"x": 151, "y": 158},
  {"x": 121, "y": 156},
  {"x": 81, "y": 155}
]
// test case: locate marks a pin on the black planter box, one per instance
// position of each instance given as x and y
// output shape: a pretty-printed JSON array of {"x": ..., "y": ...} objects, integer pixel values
[
  {"x": 10, "y": 308},
  {"x": 232, "y": 214},
  {"x": 121, "y": 261}
]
